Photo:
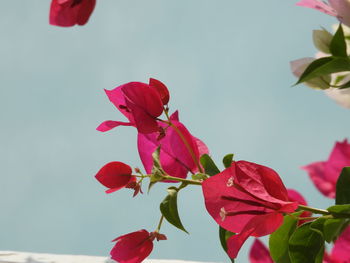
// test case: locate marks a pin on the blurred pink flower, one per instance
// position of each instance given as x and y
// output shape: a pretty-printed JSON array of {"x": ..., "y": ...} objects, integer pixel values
[
  {"x": 340, "y": 252},
  {"x": 259, "y": 253},
  {"x": 338, "y": 8},
  {"x": 67, "y": 13},
  {"x": 175, "y": 157},
  {"x": 248, "y": 199},
  {"x": 115, "y": 175},
  {"x": 324, "y": 174},
  {"x": 140, "y": 103}
]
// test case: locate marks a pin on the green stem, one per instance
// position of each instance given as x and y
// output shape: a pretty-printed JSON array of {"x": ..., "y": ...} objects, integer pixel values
[
  {"x": 172, "y": 178},
  {"x": 314, "y": 210},
  {"x": 160, "y": 224}
]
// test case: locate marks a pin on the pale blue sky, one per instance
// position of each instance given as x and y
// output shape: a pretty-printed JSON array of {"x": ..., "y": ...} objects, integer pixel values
[{"x": 226, "y": 64}]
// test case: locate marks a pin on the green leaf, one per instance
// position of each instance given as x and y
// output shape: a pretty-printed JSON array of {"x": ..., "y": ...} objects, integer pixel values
[
  {"x": 227, "y": 160},
  {"x": 279, "y": 240},
  {"x": 330, "y": 228},
  {"x": 224, "y": 235},
  {"x": 169, "y": 210},
  {"x": 199, "y": 176},
  {"x": 209, "y": 166},
  {"x": 324, "y": 66},
  {"x": 338, "y": 44},
  {"x": 342, "y": 195},
  {"x": 157, "y": 170},
  {"x": 338, "y": 210},
  {"x": 306, "y": 245}
]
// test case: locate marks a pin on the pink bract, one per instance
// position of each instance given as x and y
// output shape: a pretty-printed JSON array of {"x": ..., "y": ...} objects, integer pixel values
[
  {"x": 324, "y": 174},
  {"x": 140, "y": 103},
  {"x": 259, "y": 253},
  {"x": 295, "y": 196},
  {"x": 248, "y": 199},
  {"x": 115, "y": 175},
  {"x": 175, "y": 157},
  {"x": 337, "y": 8},
  {"x": 133, "y": 247},
  {"x": 67, "y": 13}
]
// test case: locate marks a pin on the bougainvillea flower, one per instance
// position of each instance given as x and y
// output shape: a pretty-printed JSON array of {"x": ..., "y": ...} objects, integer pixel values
[
  {"x": 67, "y": 13},
  {"x": 295, "y": 196},
  {"x": 140, "y": 103},
  {"x": 340, "y": 252},
  {"x": 134, "y": 247},
  {"x": 338, "y": 8},
  {"x": 175, "y": 156},
  {"x": 115, "y": 175},
  {"x": 248, "y": 199},
  {"x": 325, "y": 174},
  {"x": 259, "y": 253}
]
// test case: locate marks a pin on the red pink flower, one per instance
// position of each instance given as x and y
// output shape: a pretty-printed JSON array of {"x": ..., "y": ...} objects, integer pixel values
[
  {"x": 116, "y": 175},
  {"x": 248, "y": 199},
  {"x": 176, "y": 158},
  {"x": 134, "y": 247},
  {"x": 67, "y": 13},
  {"x": 140, "y": 103},
  {"x": 324, "y": 174},
  {"x": 259, "y": 253},
  {"x": 338, "y": 8}
]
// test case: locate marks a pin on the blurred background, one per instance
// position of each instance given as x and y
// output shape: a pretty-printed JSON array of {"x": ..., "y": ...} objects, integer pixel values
[{"x": 226, "y": 64}]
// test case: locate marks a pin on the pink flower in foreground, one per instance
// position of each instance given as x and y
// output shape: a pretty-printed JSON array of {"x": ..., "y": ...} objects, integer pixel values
[
  {"x": 248, "y": 199},
  {"x": 259, "y": 253},
  {"x": 140, "y": 103},
  {"x": 175, "y": 156},
  {"x": 340, "y": 252},
  {"x": 325, "y": 174},
  {"x": 67, "y": 13},
  {"x": 338, "y": 8},
  {"x": 115, "y": 175},
  {"x": 295, "y": 196},
  {"x": 134, "y": 247}
]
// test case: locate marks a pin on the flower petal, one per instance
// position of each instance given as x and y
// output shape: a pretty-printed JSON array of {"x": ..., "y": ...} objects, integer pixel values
[
  {"x": 108, "y": 125},
  {"x": 259, "y": 253},
  {"x": 318, "y": 5}
]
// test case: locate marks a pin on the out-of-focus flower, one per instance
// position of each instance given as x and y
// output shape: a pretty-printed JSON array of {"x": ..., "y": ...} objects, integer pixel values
[
  {"x": 134, "y": 247},
  {"x": 67, "y": 13},
  {"x": 340, "y": 96},
  {"x": 176, "y": 156},
  {"x": 259, "y": 253},
  {"x": 116, "y": 175},
  {"x": 340, "y": 252},
  {"x": 338, "y": 8},
  {"x": 248, "y": 199},
  {"x": 141, "y": 103},
  {"x": 325, "y": 174}
]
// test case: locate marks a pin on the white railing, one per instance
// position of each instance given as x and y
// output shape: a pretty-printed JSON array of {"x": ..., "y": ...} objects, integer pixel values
[{"x": 26, "y": 257}]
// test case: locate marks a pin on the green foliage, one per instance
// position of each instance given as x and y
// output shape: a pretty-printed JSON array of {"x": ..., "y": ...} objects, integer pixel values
[
  {"x": 330, "y": 228},
  {"x": 325, "y": 66},
  {"x": 169, "y": 210},
  {"x": 157, "y": 170},
  {"x": 279, "y": 240},
  {"x": 227, "y": 160},
  {"x": 343, "y": 187},
  {"x": 199, "y": 176},
  {"x": 209, "y": 166},
  {"x": 306, "y": 245},
  {"x": 338, "y": 44},
  {"x": 224, "y": 235}
]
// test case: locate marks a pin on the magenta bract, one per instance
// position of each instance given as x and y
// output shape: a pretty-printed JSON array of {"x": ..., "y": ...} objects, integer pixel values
[
  {"x": 133, "y": 247},
  {"x": 248, "y": 199},
  {"x": 140, "y": 103},
  {"x": 259, "y": 253},
  {"x": 325, "y": 174},
  {"x": 67, "y": 13},
  {"x": 295, "y": 196},
  {"x": 115, "y": 175},
  {"x": 175, "y": 157}
]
